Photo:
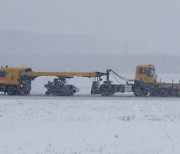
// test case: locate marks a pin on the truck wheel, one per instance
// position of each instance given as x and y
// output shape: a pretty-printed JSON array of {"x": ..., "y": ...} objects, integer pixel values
[
  {"x": 12, "y": 90},
  {"x": 104, "y": 90},
  {"x": 112, "y": 91},
  {"x": 24, "y": 93},
  {"x": 138, "y": 91}
]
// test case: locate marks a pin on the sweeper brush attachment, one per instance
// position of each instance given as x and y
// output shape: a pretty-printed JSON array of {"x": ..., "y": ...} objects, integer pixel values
[{"x": 59, "y": 87}]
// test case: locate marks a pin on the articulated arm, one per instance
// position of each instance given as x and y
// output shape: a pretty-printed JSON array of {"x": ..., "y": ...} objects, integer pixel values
[{"x": 65, "y": 74}]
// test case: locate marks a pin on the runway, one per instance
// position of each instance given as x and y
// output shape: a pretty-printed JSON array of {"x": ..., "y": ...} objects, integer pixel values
[{"x": 90, "y": 97}]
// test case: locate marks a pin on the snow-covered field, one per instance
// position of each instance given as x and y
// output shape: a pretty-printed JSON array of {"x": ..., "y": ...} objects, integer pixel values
[
  {"x": 86, "y": 124},
  {"x": 40, "y": 125}
]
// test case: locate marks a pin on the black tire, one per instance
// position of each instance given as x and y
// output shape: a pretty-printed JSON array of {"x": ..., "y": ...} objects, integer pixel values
[
  {"x": 12, "y": 90},
  {"x": 104, "y": 93},
  {"x": 106, "y": 90},
  {"x": 138, "y": 91},
  {"x": 23, "y": 92},
  {"x": 111, "y": 92}
]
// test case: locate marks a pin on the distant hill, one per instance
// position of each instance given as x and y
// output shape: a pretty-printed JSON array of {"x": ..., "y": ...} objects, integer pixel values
[
  {"x": 26, "y": 43},
  {"x": 52, "y": 52},
  {"x": 121, "y": 64}
]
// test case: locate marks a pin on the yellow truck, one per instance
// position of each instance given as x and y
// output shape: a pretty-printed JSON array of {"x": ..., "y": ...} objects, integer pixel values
[
  {"x": 13, "y": 81},
  {"x": 17, "y": 81},
  {"x": 145, "y": 83}
]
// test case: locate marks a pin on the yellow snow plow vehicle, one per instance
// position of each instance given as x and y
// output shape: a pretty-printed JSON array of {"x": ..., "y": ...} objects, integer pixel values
[{"x": 17, "y": 81}]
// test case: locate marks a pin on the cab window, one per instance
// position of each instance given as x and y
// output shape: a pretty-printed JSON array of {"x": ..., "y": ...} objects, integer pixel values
[
  {"x": 144, "y": 71},
  {"x": 2, "y": 74}
]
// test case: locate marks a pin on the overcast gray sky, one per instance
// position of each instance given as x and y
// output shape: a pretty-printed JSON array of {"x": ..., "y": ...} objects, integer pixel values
[{"x": 140, "y": 26}]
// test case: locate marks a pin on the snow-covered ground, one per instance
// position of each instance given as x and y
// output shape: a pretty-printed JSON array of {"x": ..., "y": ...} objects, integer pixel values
[
  {"x": 40, "y": 125},
  {"x": 84, "y": 124}
]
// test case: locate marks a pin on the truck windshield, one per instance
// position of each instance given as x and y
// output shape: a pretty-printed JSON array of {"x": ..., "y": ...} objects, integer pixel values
[
  {"x": 154, "y": 73},
  {"x": 144, "y": 71}
]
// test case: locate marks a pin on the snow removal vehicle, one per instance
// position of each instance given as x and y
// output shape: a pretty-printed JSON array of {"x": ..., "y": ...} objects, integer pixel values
[
  {"x": 145, "y": 83},
  {"x": 17, "y": 81}
]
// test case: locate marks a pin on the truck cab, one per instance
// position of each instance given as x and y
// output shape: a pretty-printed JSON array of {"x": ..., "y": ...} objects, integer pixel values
[
  {"x": 12, "y": 81},
  {"x": 12, "y": 76},
  {"x": 146, "y": 74}
]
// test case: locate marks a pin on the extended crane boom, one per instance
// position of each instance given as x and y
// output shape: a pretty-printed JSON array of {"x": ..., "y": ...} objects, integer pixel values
[
  {"x": 17, "y": 81},
  {"x": 65, "y": 74},
  {"x": 59, "y": 86}
]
